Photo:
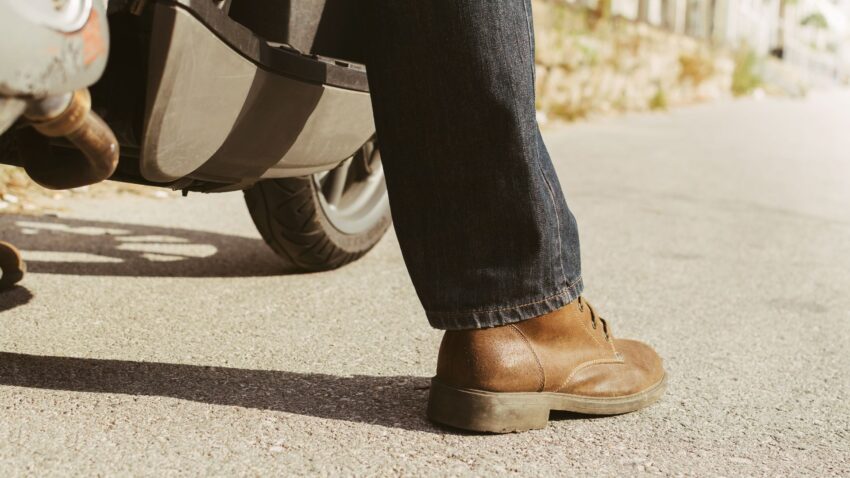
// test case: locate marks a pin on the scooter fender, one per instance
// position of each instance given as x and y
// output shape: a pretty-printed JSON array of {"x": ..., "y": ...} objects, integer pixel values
[{"x": 49, "y": 48}]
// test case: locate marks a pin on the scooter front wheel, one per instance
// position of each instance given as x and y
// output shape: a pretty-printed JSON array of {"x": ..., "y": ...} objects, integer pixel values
[{"x": 326, "y": 220}]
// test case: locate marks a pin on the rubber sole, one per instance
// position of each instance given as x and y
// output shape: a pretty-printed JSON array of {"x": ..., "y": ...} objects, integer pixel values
[{"x": 496, "y": 412}]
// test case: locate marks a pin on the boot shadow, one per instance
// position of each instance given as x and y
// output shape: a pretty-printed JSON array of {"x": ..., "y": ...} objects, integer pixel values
[{"x": 394, "y": 401}]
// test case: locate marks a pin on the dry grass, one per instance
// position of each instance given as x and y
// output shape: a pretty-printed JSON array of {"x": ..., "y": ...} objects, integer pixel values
[
  {"x": 20, "y": 195},
  {"x": 696, "y": 67}
]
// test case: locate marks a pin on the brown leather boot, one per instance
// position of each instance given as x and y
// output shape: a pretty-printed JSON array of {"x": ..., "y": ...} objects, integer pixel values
[{"x": 508, "y": 378}]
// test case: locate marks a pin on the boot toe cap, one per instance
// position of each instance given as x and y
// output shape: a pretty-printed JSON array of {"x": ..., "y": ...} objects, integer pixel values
[{"x": 640, "y": 369}]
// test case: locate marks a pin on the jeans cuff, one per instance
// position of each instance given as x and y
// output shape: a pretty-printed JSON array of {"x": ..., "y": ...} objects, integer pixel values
[{"x": 508, "y": 314}]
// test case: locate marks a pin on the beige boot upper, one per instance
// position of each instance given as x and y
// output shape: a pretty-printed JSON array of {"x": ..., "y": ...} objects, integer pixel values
[{"x": 568, "y": 351}]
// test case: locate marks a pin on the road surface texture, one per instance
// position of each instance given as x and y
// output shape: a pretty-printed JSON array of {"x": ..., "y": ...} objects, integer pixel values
[{"x": 153, "y": 336}]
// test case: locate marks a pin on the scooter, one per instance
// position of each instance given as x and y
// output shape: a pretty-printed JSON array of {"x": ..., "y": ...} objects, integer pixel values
[{"x": 210, "y": 96}]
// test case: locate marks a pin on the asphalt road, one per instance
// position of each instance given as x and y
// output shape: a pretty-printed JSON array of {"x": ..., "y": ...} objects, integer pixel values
[{"x": 153, "y": 336}]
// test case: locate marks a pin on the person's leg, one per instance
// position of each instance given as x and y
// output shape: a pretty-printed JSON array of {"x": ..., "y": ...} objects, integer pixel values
[
  {"x": 485, "y": 231},
  {"x": 489, "y": 242}
]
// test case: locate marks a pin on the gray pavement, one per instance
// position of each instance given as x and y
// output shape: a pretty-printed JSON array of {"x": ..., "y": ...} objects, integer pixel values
[{"x": 154, "y": 338}]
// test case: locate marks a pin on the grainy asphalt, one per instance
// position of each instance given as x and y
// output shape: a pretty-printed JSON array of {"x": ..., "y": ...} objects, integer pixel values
[{"x": 718, "y": 233}]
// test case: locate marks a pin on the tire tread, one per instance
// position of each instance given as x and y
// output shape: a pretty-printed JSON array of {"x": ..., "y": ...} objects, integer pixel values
[{"x": 291, "y": 221}]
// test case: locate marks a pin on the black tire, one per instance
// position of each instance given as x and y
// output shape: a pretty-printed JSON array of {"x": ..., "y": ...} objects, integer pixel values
[{"x": 292, "y": 217}]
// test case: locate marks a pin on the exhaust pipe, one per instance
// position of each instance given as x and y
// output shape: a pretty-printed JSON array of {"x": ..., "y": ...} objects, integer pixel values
[{"x": 70, "y": 116}]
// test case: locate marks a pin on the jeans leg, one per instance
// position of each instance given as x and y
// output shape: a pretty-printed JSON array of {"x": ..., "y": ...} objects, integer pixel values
[{"x": 483, "y": 225}]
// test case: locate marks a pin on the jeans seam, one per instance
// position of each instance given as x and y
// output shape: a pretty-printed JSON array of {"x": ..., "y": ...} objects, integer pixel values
[
  {"x": 562, "y": 292},
  {"x": 560, "y": 261},
  {"x": 560, "y": 257}
]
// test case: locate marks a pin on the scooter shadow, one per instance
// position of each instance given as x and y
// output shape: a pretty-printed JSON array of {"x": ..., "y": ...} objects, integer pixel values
[
  {"x": 52, "y": 245},
  {"x": 395, "y": 402}
]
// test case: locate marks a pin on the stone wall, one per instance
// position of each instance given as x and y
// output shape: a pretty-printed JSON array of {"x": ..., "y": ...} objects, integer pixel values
[{"x": 587, "y": 66}]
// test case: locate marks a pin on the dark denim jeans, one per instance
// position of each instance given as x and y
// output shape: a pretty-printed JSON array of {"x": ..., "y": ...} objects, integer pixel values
[{"x": 483, "y": 225}]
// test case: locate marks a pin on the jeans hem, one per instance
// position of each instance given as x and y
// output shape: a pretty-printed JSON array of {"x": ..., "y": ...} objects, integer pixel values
[{"x": 509, "y": 314}]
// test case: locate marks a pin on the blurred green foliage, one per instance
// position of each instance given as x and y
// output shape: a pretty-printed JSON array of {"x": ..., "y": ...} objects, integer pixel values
[
  {"x": 746, "y": 77},
  {"x": 659, "y": 101},
  {"x": 815, "y": 20}
]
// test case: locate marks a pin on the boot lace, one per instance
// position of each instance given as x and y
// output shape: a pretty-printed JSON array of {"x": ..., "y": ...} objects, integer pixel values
[{"x": 594, "y": 319}]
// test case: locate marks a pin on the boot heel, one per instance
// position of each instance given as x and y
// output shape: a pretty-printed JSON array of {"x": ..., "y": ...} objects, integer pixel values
[{"x": 482, "y": 411}]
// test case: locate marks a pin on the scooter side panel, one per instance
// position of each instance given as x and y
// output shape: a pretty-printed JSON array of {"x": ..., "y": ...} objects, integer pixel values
[{"x": 214, "y": 115}]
